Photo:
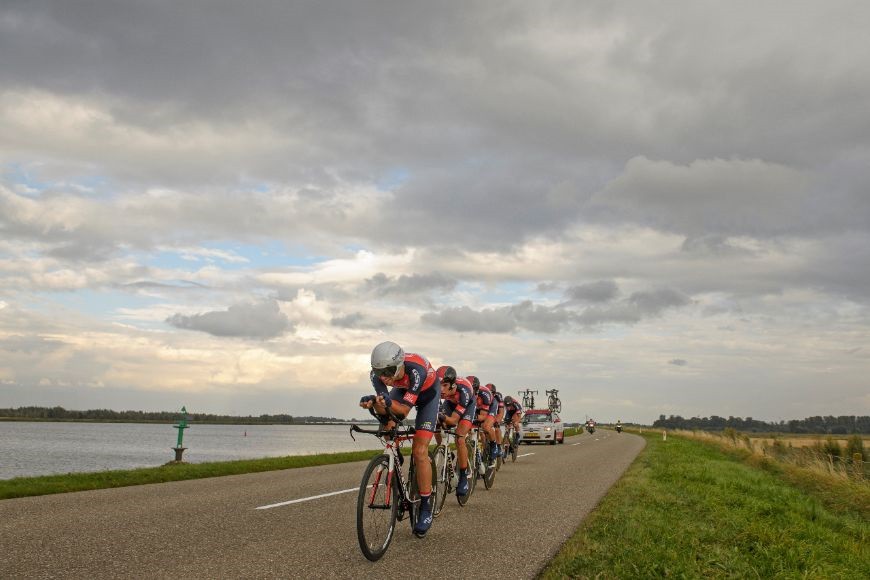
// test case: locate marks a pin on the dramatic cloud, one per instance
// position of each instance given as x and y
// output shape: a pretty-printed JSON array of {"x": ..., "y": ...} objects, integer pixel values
[
  {"x": 593, "y": 181},
  {"x": 258, "y": 320}
]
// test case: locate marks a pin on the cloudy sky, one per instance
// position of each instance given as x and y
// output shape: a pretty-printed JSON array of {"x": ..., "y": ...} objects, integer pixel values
[{"x": 656, "y": 207}]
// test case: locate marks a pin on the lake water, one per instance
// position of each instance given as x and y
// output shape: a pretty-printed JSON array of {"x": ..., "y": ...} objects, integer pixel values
[{"x": 48, "y": 448}]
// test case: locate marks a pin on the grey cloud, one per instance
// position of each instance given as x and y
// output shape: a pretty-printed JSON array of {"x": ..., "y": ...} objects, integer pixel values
[
  {"x": 178, "y": 285},
  {"x": 551, "y": 319},
  {"x": 653, "y": 302},
  {"x": 712, "y": 245},
  {"x": 495, "y": 116},
  {"x": 600, "y": 291},
  {"x": 678, "y": 362},
  {"x": 29, "y": 344},
  {"x": 465, "y": 319},
  {"x": 408, "y": 285},
  {"x": 715, "y": 196},
  {"x": 356, "y": 320},
  {"x": 258, "y": 320}
]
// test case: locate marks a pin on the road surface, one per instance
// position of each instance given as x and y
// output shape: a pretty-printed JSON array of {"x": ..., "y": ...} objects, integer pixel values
[{"x": 212, "y": 528}]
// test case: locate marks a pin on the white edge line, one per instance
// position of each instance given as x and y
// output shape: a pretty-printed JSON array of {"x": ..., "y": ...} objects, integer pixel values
[
  {"x": 274, "y": 505},
  {"x": 525, "y": 454}
]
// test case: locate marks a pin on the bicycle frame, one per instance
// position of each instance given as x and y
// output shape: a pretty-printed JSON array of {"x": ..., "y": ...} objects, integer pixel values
[{"x": 392, "y": 441}]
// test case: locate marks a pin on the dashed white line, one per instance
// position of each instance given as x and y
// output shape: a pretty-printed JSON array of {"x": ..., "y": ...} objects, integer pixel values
[
  {"x": 573, "y": 444},
  {"x": 525, "y": 455},
  {"x": 274, "y": 505}
]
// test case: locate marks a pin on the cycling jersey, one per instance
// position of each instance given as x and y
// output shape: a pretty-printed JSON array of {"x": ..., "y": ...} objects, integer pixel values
[
  {"x": 414, "y": 389},
  {"x": 512, "y": 409},
  {"x": 462, "y": 401},
  {"x": 419, "y": 376},
  {"x": 484, "y": 399},
  {"x": 497, "y": 404}
]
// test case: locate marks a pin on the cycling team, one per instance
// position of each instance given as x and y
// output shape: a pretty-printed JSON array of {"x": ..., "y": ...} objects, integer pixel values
[{"x": 405, "y": 380}]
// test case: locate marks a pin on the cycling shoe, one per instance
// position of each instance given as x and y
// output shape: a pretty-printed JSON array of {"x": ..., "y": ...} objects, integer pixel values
[
  {"x": 424, "y": 521},
  {"x": 462, "y": 486}
]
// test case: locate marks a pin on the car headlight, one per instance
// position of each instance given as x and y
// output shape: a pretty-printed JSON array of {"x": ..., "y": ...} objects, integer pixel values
[{"x": 548, "y": 428}]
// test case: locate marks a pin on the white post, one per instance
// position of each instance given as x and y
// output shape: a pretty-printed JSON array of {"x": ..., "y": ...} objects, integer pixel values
[{"x": 664, "y": 435}]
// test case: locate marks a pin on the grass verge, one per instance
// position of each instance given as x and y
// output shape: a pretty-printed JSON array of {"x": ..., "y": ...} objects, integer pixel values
[
  {"x": 686, "y": 509},
  {"x": 49, "y": 484}
]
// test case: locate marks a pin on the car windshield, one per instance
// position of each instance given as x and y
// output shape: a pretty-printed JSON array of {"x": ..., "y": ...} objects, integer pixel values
[{"x": 537, "y": 419}]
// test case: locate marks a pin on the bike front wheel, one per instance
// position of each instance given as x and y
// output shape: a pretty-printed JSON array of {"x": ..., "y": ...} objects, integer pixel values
[{"x": 376, "y": 506}]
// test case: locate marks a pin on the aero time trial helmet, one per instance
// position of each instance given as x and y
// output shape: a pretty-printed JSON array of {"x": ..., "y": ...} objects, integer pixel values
[
  {"x": 386, "y": 359},
  {"x": 446, "y": 374}
]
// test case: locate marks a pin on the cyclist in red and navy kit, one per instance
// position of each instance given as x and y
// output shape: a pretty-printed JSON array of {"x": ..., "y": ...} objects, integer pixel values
[
  {"x": 498, "y": 404},
  {"x": 457, "y": 410},
  {"x": 486, "y": 415},
  {"x": 513, "y": 414},
  {"x": 412, "y": 379}
]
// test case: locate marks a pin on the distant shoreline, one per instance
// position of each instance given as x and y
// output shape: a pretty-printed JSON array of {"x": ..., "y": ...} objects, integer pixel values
[{"x": 159, "y": 422}]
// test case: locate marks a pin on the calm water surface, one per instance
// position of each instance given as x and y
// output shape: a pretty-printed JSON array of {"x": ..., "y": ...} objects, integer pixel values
[{"x": 49, "y": 448}]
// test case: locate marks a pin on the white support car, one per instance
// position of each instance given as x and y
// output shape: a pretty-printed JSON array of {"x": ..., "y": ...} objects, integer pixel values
[{"x": 542, "y": 425}]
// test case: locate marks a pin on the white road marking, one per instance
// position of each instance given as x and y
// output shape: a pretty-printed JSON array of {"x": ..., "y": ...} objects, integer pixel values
[
  {"x": 274, "y": 505},
  {"x": 573, "y": 444},
  {"x": 525, "y": 455}
]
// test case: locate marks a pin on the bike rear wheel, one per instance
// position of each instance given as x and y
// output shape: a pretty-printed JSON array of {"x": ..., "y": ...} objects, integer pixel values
[
  {"x": 489, "y": 475},
  {"x": 472, "y": 475},
  {"x": 441, "y": 475},
  {"x": 376, "y": 506}
]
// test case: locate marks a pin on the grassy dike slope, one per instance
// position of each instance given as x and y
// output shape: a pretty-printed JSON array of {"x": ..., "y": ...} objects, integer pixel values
[{"x": 687, "y": 510}]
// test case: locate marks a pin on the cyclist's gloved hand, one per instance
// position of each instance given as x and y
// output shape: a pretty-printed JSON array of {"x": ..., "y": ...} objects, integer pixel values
[
  {"x": 366, "y": 399},
  {"x": 441, "y": 417},
  {"x": 388, "y": 402}
]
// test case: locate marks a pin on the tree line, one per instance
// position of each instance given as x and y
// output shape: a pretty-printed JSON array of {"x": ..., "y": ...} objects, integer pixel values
[
  {"x": 842, "y": 425},
  {"x": 61, "y": 414}
]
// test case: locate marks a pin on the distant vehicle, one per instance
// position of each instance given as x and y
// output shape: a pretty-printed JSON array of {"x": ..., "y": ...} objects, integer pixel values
[
  {"x": 542, "y": 426},
  {"x": 590, "y": 426}
]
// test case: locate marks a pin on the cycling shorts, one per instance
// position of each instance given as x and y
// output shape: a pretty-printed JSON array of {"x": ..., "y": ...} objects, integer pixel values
[{"x": 427, "y": 409}]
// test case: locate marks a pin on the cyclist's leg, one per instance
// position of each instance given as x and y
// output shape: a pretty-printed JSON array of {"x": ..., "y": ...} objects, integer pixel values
[
  {"x": 462, "y": 431},
  {"x": 427, "y": 414}
]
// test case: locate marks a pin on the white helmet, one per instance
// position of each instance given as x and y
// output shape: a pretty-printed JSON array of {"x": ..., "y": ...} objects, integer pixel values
[{"x": 386, "y": 358}]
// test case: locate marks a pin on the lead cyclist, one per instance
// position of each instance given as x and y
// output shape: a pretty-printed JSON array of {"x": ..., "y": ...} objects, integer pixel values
[{"x": 412, "y": 379}]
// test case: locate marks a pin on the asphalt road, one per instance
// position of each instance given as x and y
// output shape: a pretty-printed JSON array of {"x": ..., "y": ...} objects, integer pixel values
[{"x": 210, "y": 528}]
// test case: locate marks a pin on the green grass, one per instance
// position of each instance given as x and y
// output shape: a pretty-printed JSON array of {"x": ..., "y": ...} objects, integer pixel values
[
  {"x": 685, "y": 509},
  {"x": 29, "y": 486}
]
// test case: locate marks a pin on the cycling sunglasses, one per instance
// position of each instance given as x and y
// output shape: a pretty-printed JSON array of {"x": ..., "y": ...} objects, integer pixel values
[{"x": 386, "y": 372}]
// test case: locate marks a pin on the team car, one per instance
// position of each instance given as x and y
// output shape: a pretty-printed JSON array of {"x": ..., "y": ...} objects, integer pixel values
[{"x": 542, "y": 425}]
